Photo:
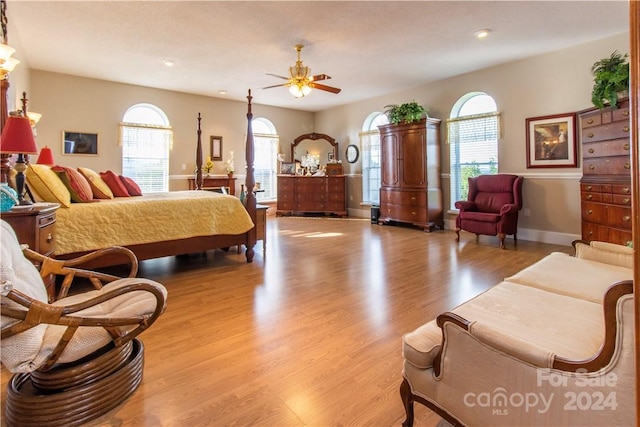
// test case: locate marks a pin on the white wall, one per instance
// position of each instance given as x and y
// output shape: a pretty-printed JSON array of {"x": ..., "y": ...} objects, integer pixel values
[
  {"x": 554, "y": 83},
  {"x": 69, "y": 103}
]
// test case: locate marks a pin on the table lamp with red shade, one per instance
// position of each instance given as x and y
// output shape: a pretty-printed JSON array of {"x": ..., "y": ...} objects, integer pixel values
[
  {"x": 17, "y": 138},
  {"x": 45, "y": 157}
]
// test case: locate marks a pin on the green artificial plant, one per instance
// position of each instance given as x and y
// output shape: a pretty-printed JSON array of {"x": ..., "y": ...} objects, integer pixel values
[
  {"x": 405, "y": 113},
  {"x": 610, "y": 77}
]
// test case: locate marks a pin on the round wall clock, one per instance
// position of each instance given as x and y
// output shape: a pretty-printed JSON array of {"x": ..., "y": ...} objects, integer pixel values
[{"x": 352, "y": 153}]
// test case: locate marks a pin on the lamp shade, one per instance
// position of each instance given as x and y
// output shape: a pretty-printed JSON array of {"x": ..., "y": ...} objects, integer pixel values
[
  {"x": 17, "y": 137},
  {"x": 45, "y": 157}
]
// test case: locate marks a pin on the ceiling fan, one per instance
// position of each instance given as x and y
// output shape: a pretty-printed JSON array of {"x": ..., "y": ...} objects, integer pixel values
[{"x": 300, "y": 82}]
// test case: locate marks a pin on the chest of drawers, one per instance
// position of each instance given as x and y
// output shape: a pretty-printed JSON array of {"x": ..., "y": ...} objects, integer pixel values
[
  {"x": 605, "y": 187},
  {"x": 312, "y": 194}
]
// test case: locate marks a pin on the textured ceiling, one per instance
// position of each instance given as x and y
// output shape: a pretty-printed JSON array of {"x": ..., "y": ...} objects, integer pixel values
[{"x": 369, "y": 48}]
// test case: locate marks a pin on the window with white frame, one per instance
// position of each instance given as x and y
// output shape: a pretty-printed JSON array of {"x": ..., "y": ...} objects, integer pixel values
[
  {"x": 472, "y": 135},
  {"x": 146, "y": 138},
  {"x": 266, "y": 144},
  {"x": 370, "y": 143}
]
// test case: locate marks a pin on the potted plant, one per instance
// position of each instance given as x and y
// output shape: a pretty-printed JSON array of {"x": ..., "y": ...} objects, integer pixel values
[
  {"x": 610, "y": 77},
  {"x": 405, "y": 113}
]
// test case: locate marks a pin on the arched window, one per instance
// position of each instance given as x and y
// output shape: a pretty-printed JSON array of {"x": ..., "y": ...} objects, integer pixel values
[
  {"x": 370, "y": 143},
  {"x": 472, "y": 134},
  {"x": 266, "y": 143},
  {"x": 146, "y": 138}
]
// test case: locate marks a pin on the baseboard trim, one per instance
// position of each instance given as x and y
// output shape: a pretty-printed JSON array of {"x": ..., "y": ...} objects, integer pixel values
[{"x": 542, "y": 236}]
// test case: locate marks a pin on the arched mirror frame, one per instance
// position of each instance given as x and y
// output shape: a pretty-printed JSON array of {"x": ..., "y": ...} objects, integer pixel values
[{"x": 314, "y": 136}]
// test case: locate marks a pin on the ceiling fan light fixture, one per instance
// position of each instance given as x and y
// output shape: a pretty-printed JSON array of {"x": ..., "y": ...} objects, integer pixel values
[{"x": 299, "y": 90}]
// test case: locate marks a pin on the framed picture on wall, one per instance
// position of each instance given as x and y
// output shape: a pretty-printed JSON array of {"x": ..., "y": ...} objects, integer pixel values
[
  {"x": 216, "y": 147},
  {"x": 551, "y": 141},
  {"x": 79, "y": 143}
]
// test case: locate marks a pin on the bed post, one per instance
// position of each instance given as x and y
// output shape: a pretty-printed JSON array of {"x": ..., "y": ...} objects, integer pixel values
[
  {"x": 199, "y": 157},
  {"x": 250, "y": 183}
]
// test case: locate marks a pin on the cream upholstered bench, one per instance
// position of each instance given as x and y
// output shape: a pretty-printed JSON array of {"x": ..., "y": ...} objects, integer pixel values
[{"x": 550, "y": 345}]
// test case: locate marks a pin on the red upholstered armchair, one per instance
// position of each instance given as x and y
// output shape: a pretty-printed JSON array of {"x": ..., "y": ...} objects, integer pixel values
[{"x": 492, "y": 208}]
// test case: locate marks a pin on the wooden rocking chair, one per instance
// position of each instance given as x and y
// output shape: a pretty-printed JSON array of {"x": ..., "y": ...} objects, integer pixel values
[{"x": 78, "y": 357}]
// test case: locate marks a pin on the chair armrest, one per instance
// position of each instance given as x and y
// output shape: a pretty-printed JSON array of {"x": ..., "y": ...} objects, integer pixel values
[
  {"x": 68, "y": 269},
  {"x": 465, "y": 205},
  {"x": 508, "y": 209},
  {"x": 31, "y": 313}
]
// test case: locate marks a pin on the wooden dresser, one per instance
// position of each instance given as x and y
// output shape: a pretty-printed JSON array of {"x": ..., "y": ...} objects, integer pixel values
[
  {"x": 605, "y": 187},
  {"x": 312, "y": 194},
  {"x": 410, "y": 174}
]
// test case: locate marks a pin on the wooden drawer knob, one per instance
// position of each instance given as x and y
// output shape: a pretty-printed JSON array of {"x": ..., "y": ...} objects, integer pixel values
[
  {"x": 590, "y": 233},
  {"x": 625, "y": 129},
  {"x": 589, "y": 188},
  {"x": 626, "y": 147},
  {"x": 627, "y": 165},
  {"x": 590, "y": 135},
  {"x": 625, "y": 113},
  {"x": 591, "y": 167},
  {"x": 626, "y": 218},
  {"x": 589, "y": 211},
  {"x": 49, "y": 238},
  {"x": 625, "y": 190},
  {"x": 414, "y": 213},
  {"x": 589, "y": 197},
  {"x": 591, "y": 151},
  {"x": 413, "y": 198},
  {"x": 626, "y": 201},
  {"x": 590, "y": 121}
]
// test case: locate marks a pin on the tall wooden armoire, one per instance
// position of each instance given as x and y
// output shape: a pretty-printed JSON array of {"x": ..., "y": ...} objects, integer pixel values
[{"x": 410, "y": 189}]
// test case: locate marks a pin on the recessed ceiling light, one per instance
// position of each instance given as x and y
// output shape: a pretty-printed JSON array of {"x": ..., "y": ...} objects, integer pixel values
[
  {"x": 223, "y": 92},
  {"x": 168, "y": 62},
  {"x": 480, "y": 34}
]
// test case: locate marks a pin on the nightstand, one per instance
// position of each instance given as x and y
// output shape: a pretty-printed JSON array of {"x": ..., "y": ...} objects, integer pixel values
[
  {"x": 36, "y": 227},
  {"x": 261, "y": 225}
]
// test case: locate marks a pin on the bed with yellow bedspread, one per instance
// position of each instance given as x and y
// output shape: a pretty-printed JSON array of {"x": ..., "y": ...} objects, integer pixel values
[{"x": 178, "y": 217}]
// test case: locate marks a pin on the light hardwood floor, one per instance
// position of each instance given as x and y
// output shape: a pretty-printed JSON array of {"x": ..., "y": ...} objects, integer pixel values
[{"x": 310, "y": 332}]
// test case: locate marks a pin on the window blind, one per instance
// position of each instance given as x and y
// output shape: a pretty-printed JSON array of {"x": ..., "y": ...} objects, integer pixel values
[
  {"x": 370, "y": 143},
  {"x": 145, "y": 155},
  {"x": 473, "y": 144},
  {"x": 265, "y": 162}
]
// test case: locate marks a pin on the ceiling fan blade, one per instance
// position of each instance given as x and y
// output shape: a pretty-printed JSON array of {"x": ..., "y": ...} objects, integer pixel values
[
  {"x": 320, "y": 77},
  {"x": 324, "y": 87},
  {"x": 269, "y": 87},
  {"x": 278, "y": 76}
]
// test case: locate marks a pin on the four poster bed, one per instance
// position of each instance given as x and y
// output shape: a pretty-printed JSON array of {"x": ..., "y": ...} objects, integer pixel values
[{"x": 165, "y": 224}]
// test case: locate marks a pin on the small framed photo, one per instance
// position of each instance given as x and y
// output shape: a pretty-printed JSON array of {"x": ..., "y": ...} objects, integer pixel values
[
  {"x": 287, "y": 168},
  {"x": 330, "y": 157},
  {"x": 79, "y": 143},
  {"x": 216, "y": 147},
  {"x": 552, "y": 142}
]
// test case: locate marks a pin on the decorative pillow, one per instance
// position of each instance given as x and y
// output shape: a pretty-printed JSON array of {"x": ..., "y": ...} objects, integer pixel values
[
  {"x": 76, "y": 183},
  {"x": 132, "y": 187},
  {"x": 47, "y": 184},
  {"x": 100, "y": 188},
  {"x": 114, "y": 183},
  {"x": 604, "y": 256}
]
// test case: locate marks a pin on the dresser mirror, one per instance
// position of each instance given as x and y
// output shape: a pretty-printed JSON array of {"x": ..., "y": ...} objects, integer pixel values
[{"x": 316, "y": 144}]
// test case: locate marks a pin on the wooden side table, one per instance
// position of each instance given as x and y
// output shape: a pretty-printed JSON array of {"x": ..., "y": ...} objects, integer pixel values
[
  {"x": 214, "y": 183},
  {"x": 36, "y": 227},
  {"x": 261, "y": 225}
]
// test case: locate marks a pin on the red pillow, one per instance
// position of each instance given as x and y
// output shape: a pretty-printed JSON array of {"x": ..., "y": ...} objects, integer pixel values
[
  {"x": 132, "y": 188},
  {"x": 113, "y": 181},
  {"x": 77, "y": 184}
]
